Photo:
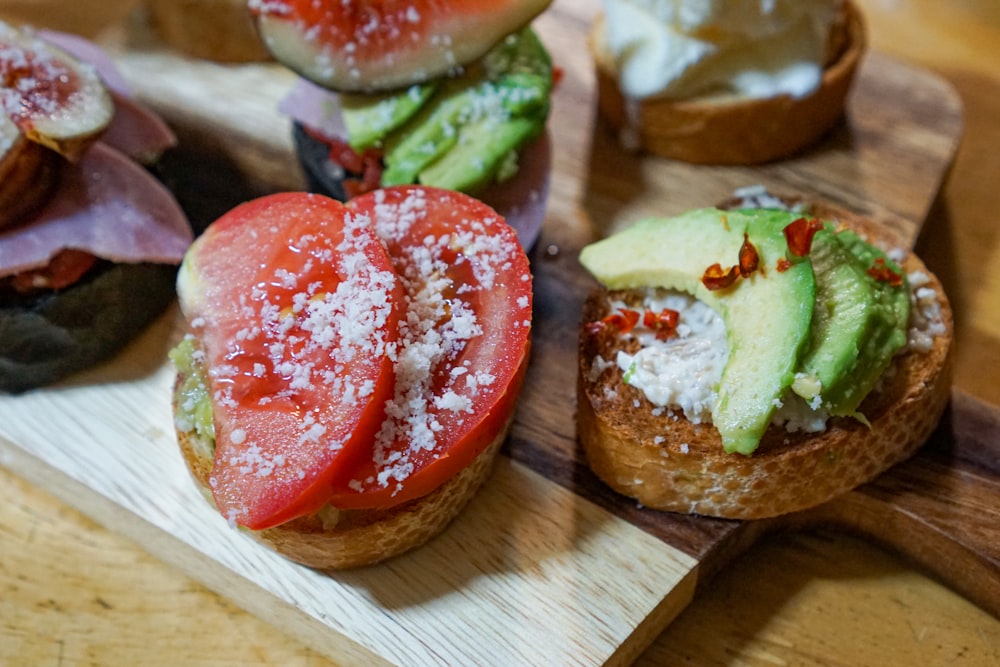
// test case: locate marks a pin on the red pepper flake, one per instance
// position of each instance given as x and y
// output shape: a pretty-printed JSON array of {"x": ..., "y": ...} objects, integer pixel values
[
  {"x": 882, "y": 273},
  {"x": 624, "y": 320},
  {"x": 557, "y": 75},
  {"x": 663, "y": 323},
  {"x": 749, "y": 258},
  {"x": 783, "y": 264},
  {"x": 716, "y": 278},
  {"x": 799, "y": 235}
]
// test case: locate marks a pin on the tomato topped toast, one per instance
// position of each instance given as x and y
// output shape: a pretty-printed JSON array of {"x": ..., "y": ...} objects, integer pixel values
[{"x": 351, "y": 369}]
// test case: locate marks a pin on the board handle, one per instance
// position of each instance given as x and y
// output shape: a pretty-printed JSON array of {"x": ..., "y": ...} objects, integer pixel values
[{"x": 941, "y": 508}]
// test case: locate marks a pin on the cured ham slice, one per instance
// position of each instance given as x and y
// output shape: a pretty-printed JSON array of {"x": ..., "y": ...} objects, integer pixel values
[
  {"x": 137, "y": 131},
  {"x": 106, "y": 205}
]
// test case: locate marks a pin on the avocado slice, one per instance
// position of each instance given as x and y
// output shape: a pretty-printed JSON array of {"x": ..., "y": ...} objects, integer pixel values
[
  {"x": 369, "y": 118},
  {"x": 460, "y": 133},
  {"x": 842, "y": 320},
  {"x": 767, "y": 314},
  {"x": 886, "y": 335},
  {"x": 858, "y": 326}
]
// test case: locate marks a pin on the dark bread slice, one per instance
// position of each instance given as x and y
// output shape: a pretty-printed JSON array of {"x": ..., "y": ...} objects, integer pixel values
[
  {"x": 49, "y": 335},
  {"x": 689, "y": 471}
]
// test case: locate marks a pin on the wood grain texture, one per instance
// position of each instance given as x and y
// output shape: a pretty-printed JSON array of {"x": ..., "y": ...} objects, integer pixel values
[
  {"x": 523, "y": 549},
  {"x": 572, "y": 193}
]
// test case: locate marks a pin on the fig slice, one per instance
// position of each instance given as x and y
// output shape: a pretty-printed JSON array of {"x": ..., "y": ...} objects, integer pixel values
[
  {"x": 50, "y": 96},
  {"x": 28, "y": 172},
  {"x": 364, "y": 46}
]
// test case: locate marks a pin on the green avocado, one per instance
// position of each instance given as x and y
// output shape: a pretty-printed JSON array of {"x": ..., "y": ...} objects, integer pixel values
[
  {"x": 767, "y": 314},
  {"x": 460, "y": 133},
  {"x": 191, "y": 395},
  {"x": 826, "y": 328},
  {"x": 886, "y": 335},
  {"x": 843, "y": 319},
  {"x": 858, "y": 325},
  {"x": 369, "y": 118}
]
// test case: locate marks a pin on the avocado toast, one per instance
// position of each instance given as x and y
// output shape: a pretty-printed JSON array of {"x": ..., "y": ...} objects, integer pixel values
[{"x": 795, "y": 415}]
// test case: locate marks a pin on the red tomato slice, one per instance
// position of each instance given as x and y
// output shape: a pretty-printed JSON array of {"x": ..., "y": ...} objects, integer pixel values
[
  {"x": 463, "y": 343},
  {"x": 296, "y": 305}
]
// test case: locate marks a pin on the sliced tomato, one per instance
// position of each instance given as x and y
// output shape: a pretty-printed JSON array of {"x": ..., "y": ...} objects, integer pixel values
[
  {"x": 463, "y": 343},
  {"x": 297, "y": 308}
]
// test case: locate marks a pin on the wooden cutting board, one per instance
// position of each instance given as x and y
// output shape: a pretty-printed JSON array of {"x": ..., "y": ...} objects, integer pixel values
[{"x": 546, "y": 566}]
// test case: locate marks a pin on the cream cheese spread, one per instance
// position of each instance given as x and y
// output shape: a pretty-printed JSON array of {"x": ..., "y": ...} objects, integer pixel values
[
  {"x": 682, "y": 372},
  {"x": 685, "y": 48}
]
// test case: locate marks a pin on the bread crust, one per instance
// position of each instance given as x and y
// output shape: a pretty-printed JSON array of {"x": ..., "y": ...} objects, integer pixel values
[
  {"x": 343, "y": 539},
  {"x": 727, "y": 129},
  {"x": 689, "y": 471}
]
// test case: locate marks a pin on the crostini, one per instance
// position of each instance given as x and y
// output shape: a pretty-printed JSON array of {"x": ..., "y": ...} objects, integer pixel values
[
  {"x": 754, "y": 362},
  {"x": 351, "y": 369}
]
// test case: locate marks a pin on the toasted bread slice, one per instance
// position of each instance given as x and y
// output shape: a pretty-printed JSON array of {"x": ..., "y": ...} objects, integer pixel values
[
  {"x": 340, "y": 539},
  {"x": 666, "y": 462},
  {"x": 726, "y": 129}
]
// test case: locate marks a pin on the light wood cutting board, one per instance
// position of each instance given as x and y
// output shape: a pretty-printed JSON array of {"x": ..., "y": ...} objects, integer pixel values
[{"x": 546, "y": 566}]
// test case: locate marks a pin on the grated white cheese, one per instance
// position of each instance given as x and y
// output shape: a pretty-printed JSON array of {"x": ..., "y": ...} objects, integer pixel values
[
  {"x": 439, "y": 324},
  {"x": 682, "y": 372}
]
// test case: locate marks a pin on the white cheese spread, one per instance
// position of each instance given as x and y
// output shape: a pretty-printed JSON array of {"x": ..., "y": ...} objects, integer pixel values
[
  {"x": 681, "y": 372},
  {"x": 685, "y": 48}
]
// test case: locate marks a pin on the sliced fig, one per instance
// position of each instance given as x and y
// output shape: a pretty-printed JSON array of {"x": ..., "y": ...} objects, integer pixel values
[
  {"x": 361, "y": 46},
  {"x": 28, "y": 172},
  {"x": 53, "y": 98}
]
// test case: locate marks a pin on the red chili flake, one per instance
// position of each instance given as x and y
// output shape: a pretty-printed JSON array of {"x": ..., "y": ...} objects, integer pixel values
[
  {"x": 882, "y": 273},
  {"x": 557, "y": 75},
  {"x": 624, "y": 320},
  {"x": 783, "y": 264},
  {"x": 663, "y": 323},
  {"x": 716, "y": 278},
  {"x": 799, "y": 235},
  {"x": 749, "y": 258}
]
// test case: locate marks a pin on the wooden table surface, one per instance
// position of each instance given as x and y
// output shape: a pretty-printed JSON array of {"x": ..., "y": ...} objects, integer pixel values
[{"x": 73, "y": 593}]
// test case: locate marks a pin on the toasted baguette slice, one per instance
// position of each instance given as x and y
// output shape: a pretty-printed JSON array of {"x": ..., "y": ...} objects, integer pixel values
[
  {"x": 726, "y": 129},
  {"x": 340, "y": 539},
  {"x": 668, "y": 463}
]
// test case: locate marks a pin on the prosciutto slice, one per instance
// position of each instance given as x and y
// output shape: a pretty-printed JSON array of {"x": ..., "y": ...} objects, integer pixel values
[
  {"x": 106, "y": 205},
  {"x": 137, "y": 131}
]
